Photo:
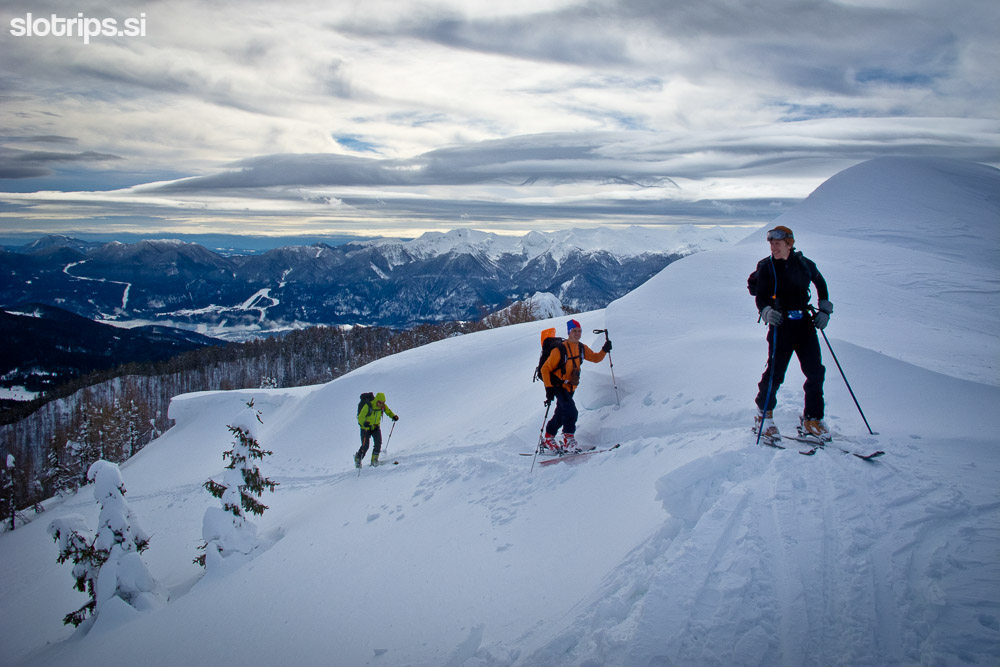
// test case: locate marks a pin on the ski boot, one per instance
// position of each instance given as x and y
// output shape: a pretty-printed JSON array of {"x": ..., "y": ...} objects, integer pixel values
[
  {"x": 814, "y": 428},
  {"x": 569, "y": 445},
  {"x": 357, "y": 460},
  {"x": 548, "y": 445},
  {"x": 770, "y": 430},
  {"x": 374, "y": 460}
]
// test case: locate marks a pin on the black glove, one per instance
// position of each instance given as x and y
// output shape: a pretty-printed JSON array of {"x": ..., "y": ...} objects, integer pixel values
[
  {"x": 550, "y": 393},
  {"x": 771, "y": 316},
  {"x": 607, "y": 346},
  {"x": 395, "y": 418}
]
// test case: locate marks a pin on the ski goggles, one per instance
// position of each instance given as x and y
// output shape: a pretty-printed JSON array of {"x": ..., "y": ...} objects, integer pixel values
[{"x": 777, "y": 235}]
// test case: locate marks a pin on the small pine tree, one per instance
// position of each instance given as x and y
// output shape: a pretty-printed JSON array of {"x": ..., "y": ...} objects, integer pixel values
[
  {"x": 228, "y": 531},
  {"x": 87, "y": 439},
  {"x": 123, "y": 575},
  {"x": 108, "y": 564},
  {"x": 76, "y": 544},
  {"x": 64, "y": 462}
]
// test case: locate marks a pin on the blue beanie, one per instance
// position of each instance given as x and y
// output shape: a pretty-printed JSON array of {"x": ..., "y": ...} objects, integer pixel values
[{"x": 572, "y": 324}]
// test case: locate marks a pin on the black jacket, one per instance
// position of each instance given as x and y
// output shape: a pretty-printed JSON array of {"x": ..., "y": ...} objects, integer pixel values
[{"x": 788, "y": 280}]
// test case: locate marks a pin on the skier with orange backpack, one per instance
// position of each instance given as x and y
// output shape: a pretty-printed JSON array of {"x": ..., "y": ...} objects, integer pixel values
[{"x": 560, "y": 372}]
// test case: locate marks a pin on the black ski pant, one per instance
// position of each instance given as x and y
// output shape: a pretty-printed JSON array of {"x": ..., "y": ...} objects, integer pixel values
[
  {"x": 565, "y": 415},
  {"x": 799, "y": 337},
  {"x": 370, "y": 434}
]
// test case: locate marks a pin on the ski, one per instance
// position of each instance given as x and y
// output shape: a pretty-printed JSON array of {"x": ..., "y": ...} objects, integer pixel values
[
  {"x": 769, "y": 442},
  {"x": 772, "y": 443},
  {"x": 577, "y": 455},
  {"x": 821, "y": 444},
  {"x": 378, "y": 465},
  {"x": 815, "y": 445},
  {"x": 581, "y": 450}
]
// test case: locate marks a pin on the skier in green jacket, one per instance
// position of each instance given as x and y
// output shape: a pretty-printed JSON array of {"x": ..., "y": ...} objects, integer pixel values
[{"x": 370, "y": 420}]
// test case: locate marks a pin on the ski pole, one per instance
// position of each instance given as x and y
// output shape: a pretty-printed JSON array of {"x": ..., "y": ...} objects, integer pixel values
[
  {"x": 548, "y": 404},
  {"x": 836, "y": 361},
  {"x": 390, "y": 437},
  {"x": 774, "y": 354},
  {"x": 770, "y": 381},
  {"x": 614, "y": 382}
]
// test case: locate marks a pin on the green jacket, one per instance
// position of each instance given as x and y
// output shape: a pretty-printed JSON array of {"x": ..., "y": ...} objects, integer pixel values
[{"x": 370, "y": 416}]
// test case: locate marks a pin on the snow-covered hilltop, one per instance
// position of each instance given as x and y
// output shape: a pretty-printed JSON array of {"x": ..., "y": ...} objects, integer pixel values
[{"x": 687, "y": 546}]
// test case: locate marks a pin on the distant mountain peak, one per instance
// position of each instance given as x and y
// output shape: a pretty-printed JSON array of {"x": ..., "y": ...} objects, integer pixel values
[
  {"x": 57, "y": 242},
  {"x": 438, "y": 276}
]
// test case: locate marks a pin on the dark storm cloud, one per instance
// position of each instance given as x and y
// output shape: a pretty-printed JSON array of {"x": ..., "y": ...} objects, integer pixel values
[
  {"x": 829, "y": 46},
  {"x": 16, "y": 163},
  {"x": 636, "y": 158},
  {"x": 40, "y": 139},
  {"x": 549, "y": 36},
  {"x": 516, "y": 213}
]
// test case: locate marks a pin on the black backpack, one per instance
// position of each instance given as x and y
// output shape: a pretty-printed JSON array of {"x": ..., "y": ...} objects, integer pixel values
[
  {"x": 752, "y": 279},
  {"x": 547, "y": 345},
  {"x": 366, "y": 397}
]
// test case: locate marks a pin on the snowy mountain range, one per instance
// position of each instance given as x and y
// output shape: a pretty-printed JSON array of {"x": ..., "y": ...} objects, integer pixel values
[
  {"x": 688, "y": 545},
  {"x": 458, "y": 275}
]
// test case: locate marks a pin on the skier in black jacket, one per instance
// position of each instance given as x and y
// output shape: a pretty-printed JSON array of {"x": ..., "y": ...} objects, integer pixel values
[{"x": 782, "y": 296}]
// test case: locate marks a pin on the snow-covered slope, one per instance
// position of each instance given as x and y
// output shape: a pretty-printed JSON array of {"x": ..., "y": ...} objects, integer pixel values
[{"x": 689, "y": 545}]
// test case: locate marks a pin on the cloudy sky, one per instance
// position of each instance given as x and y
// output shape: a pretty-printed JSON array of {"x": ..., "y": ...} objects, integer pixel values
[{"x": 398, "y": 116}]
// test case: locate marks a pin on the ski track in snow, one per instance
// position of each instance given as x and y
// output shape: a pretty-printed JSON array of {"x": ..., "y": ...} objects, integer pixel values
[
  {"x": 785, "y": 548},
  {"x": 761, "y": 557}
]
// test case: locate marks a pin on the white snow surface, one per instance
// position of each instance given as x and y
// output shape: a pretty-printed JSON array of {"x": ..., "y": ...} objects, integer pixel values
[{"x": 688, "y": 545}]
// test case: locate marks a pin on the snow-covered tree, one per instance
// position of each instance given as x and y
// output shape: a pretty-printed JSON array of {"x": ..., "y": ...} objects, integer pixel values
[
  {"x": 62, "y": 461},
  {"x": 8, "y": 502},
  {"x": 76, "y": 544},
  {"x": 87, "y": 438},
  {"x": 137, "y": 416},
  {"x": 124, "y": 574},
  {"x": 109, "y": 566},
  {"x": 226, "y": 530},
  {"x": 37, "y": 495}
]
